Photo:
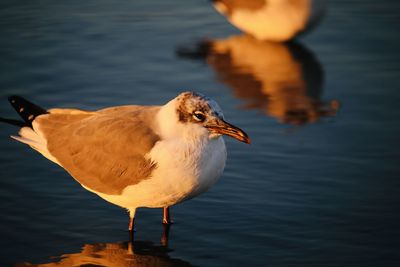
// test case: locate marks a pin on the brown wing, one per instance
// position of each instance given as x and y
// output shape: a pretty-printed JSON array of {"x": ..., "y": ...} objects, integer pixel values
[{"x": 105, "y": 150}]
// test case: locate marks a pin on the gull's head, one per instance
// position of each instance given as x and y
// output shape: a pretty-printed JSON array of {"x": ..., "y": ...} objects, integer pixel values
[{"x": 198, "y": 116}]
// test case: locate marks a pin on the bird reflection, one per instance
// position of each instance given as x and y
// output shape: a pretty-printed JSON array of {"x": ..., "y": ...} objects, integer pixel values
[
  {"x": 283, "y": 80},
  {"x": 124, "y": 254}
]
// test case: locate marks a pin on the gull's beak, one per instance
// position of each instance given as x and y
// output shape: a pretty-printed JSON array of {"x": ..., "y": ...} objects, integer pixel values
[{"x": 219, "y": 126}]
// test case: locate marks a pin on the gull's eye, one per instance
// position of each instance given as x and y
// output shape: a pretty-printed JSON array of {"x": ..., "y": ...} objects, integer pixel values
[{"x": 199, "y": 116}]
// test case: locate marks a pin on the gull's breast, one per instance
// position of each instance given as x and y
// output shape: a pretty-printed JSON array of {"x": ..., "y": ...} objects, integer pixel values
[
  {"x": 211, "y": 166},
  {"x": 183, "y": 171}
]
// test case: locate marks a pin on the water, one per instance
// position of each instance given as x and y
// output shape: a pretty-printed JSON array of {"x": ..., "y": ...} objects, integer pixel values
[{"x": 318, "y": 186}]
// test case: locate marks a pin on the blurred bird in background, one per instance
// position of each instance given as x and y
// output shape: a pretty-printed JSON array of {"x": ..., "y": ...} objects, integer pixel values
[{"x": 274, "y": 20}]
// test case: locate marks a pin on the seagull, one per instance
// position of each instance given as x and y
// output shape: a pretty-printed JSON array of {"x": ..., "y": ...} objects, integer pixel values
[
  {"x": 273, "y": 20},
  {"x": 134, "y": 156}
]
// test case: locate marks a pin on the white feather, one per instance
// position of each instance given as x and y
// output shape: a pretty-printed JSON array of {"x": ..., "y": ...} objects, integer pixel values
[{"x": 35, "y": 140}]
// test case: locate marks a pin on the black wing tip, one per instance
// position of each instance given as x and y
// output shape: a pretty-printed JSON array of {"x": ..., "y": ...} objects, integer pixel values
[
  {"x": 13, "y": 98},
  {"x": 18, "y": 100},
  {"x": 26, "y": 109}
]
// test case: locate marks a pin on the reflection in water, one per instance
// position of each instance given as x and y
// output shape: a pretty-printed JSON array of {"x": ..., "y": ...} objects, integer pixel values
[
  {"x": 123, "y": 254},
  {"x": 137, "y": 253},
  {"x": 284, "y": 80}
]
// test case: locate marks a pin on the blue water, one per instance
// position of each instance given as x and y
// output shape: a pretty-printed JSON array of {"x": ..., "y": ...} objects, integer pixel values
[{"x": 318, "y": 186}]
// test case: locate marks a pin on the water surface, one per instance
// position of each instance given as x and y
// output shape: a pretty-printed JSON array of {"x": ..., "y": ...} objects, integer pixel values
[{"x": 318, "y": 186}]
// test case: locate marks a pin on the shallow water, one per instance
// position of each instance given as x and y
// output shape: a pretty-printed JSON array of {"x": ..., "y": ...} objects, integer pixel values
[{"x": 318, "y": 186}]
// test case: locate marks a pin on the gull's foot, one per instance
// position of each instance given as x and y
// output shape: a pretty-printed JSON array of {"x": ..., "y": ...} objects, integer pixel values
[{"x": 168, "y": 222}]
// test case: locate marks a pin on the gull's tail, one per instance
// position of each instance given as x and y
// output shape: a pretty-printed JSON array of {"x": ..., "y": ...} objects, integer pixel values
[
  {"x": 27, "y": 110},
  {"x": 27, "y": 134}
]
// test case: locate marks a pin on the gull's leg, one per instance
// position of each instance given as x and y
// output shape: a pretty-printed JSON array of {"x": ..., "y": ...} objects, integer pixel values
[
  {"x": 131, "y": 226},
  {"x": 167, "y": 217}
]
